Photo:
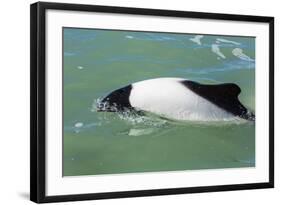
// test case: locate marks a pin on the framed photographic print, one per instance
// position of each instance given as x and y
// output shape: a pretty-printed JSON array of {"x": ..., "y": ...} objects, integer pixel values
[{"x": 129, "y": 102}]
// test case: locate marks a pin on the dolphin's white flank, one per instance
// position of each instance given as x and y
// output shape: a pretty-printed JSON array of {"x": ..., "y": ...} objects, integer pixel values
[{"x": 168, "y": 97}]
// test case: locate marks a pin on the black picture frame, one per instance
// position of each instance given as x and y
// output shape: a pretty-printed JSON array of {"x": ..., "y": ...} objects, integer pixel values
[{"x": 38, "y": 101}]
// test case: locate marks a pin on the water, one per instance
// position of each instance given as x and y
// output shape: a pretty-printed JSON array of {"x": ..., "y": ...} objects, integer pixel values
[{"x": 99, "y": 61}]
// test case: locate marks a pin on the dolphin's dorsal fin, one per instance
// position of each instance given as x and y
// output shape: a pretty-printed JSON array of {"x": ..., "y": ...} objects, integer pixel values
[{"x": 223, "y": 95}]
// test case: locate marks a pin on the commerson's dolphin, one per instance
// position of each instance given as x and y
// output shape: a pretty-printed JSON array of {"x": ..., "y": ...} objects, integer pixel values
[{"x": 180, "y": 99}]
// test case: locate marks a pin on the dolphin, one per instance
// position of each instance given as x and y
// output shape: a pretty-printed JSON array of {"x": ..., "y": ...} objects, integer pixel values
[{"x": 179, "y": 99}]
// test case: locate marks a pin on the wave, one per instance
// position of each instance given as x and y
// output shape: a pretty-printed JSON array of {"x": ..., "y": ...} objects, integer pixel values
[
  {"x": 225, "y": 66},
  {"x": 151, "y": 37},
  {"x": 227, "y": 41},
  {"x": 215, "y": 49},
  {"x": 239, "y": 53},
  {"x": 144, "y": 123},
  {"x": 197, "y": 39}
]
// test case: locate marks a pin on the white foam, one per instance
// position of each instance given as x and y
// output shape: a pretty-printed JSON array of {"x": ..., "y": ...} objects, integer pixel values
[
  {"x": 216, "y": 50},
  {"x": 78, "y": 124},
  {"x": 130, "y": 37},
  {"x": 238, "y": 52},
  {"x": 227, "y": 41},
  {"x": 139, "y": 132},
  {"x": 197, "y": 39},
  {"x": 168, "y": 38},
  {"x": 80, "y": 67}
]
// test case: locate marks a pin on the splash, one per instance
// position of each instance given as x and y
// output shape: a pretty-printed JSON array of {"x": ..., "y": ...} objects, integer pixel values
[
  {"x": 238, "y": 52},
  {"x": 140, "y": 132},
  {"x": 216, "y": 50},
  {"x": 78, "y": 124},
  {"x": 227, "y": 41},
  {"x": 101, "y": 106},
  {"x": 197, "y": 39},
  {"x": 129, "y": 37}
]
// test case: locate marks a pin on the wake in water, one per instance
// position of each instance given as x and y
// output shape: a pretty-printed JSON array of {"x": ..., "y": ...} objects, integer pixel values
[
  {"x": 141, "y": 123},
  {"x": 132, "y": 116},
  {"x": 138, "y": 122}
]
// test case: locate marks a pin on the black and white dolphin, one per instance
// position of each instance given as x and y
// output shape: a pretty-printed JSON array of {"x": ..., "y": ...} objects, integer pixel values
[{"x": 179, "y": 99}]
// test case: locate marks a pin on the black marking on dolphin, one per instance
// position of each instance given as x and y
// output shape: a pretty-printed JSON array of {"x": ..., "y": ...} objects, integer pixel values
[
  {"x": 224, "y": 96},
  {"x": 117, "y": 100}
]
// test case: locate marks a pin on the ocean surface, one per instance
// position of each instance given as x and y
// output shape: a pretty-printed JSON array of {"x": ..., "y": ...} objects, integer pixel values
[{"x": 97, "y": 62}]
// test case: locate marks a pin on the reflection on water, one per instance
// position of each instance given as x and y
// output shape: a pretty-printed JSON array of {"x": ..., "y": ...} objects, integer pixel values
[{"x": 98, "y": 61}]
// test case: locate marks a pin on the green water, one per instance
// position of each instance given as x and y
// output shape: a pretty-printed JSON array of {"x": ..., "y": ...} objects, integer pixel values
[{"x": 99, "y": 61}]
